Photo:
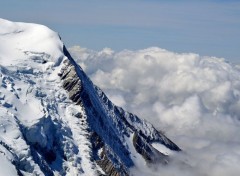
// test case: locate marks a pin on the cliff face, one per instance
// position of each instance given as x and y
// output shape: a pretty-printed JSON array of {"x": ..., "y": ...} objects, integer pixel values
[{"x": 55, "y": 121}]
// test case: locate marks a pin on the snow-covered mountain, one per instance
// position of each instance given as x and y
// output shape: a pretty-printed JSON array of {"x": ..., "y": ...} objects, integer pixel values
[{"x": 55, "y": 121}]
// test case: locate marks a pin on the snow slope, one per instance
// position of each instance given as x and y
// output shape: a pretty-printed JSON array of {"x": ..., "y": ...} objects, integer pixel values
[
  {"x": 32, "y": 100},
  {"x": 46, "y": 130}
]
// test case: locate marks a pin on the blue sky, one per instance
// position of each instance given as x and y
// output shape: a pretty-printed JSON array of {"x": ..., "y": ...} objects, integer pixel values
[{"x": 204, "y": 27}]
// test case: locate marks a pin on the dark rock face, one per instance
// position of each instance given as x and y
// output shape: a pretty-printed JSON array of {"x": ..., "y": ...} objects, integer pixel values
[
  {"x": 150, "y": 154},
  {"x": 110, "y": 126}
]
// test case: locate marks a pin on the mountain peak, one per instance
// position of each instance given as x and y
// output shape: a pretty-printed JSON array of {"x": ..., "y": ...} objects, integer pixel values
[
  {"x": 19, "y": 40},
  {"x": 55, "y": 121}
]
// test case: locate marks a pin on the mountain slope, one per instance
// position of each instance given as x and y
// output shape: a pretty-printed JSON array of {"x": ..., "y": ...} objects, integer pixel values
[{"x": 55, "y": 121}]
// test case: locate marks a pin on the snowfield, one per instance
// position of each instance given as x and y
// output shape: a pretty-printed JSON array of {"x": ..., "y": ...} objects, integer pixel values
[{"x": 32, "y": 99}]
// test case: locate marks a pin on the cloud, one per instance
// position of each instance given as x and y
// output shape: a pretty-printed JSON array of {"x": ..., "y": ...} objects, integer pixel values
[{"x": 194, "y": 99}]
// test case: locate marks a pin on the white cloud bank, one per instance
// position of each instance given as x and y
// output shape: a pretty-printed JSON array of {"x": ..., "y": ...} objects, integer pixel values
[{"x": 194, "y": 99}]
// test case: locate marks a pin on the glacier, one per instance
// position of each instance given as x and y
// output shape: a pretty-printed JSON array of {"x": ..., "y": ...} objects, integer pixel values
[{"x": 55, "y": 121}]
